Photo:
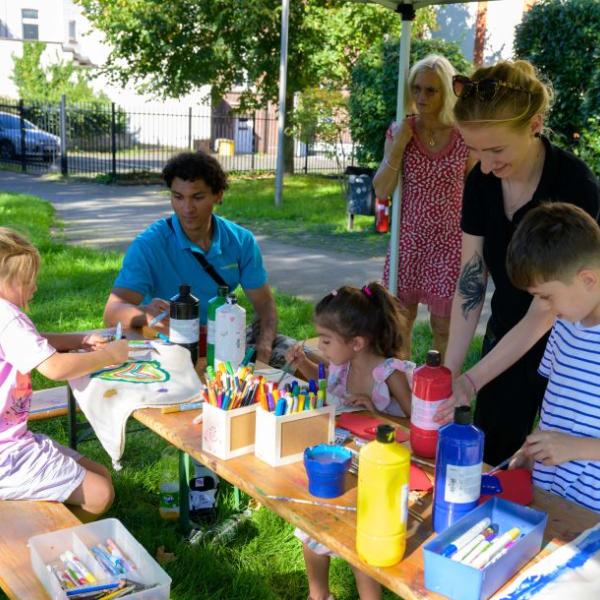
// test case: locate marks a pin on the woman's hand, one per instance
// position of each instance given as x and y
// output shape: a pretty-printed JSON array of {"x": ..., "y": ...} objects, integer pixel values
[
  {"x": 462, "y": 393},
  {"x": 401, "y": 135}
]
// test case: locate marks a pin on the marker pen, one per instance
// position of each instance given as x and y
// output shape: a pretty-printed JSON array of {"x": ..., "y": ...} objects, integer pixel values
[
  {"x": 465, "y": 538},
  {"x": 496, "y": 546},
  {"x": 158, "y": 318},
  {"x": 488, "y": 534}
]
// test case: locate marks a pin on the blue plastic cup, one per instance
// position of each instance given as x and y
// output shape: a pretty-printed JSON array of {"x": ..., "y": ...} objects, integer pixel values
[{"x": 326, "y": 466}]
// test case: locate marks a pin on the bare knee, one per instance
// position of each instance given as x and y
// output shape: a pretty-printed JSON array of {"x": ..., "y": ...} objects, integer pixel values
[{"x": 95, "y": 494}]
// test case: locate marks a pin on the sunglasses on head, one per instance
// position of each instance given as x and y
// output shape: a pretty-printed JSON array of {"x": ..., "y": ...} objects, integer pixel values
[{"x": 484, "y": 89}]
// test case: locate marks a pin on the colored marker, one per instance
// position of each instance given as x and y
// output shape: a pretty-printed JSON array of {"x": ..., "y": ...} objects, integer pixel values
[
  {"x": 488, "y": 534},
  {"x": 496, "y": 546},
  {"x": 465, "y": 538},
  {"x": 158, "y": 318},
  {"x": 94, "y": 588},
  {"x": 163, "y": 337},
  {"x": 119, "y": 331},
  {"x": 181, "y": 407}
]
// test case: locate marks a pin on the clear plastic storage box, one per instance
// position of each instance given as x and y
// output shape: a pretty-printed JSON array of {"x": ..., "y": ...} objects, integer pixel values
[{"x": 46, "y": 550}]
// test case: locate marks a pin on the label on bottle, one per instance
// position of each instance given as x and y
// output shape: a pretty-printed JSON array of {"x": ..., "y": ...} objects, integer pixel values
[
  {"x": 422, "y": 411},
  {"x": 169, "y": 497},
  {"x": 463, "y": 484},
  {"x": 210, "y": 332},
  {"x": 184, "y": 331}
]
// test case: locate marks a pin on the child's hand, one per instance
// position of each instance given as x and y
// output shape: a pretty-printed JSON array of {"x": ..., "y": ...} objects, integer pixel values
[
  {"x": 551, "y": 447},
  {"x": 521, "y": 459},
  {"x": 359, "y": 400},
  {"x": 462, "y": 392},
  {"x": 94, "y": 341},
  {"x": 296, "y": 356},
  {"x": 118, "y": 351}
]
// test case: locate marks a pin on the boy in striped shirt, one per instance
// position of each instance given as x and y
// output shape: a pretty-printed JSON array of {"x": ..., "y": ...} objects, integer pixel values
[{"x": 555, "y": 256}]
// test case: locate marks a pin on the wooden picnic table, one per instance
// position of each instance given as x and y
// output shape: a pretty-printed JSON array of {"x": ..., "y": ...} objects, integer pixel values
[{"x": 336, "y": 528}]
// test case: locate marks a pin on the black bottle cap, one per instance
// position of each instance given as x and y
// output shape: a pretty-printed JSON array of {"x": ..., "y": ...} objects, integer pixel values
[
  {"x": 223, "y": 290},
  {"x": 386, "y": 434},
  {"x": 184, "y": 289},
  {"x": 462, "y": 415},
  {"x": 434, "y": 359}
]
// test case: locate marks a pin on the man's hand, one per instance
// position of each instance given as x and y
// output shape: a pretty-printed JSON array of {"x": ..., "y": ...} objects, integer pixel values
[
  {"x": 552, "y": 447},
  {"x": 462, "y": 393},
  {"x": 155, "y": 308}
]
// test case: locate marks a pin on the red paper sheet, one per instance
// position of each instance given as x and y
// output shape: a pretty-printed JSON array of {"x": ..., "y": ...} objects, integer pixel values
[
  {"x": 366, "y": 427},
  {"x": 516, "y": 486}
]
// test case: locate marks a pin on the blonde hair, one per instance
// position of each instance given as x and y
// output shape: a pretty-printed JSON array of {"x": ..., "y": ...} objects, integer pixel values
[
  {"x": 515, "y": 107},
  {"x": 442, "y": 67},
  {"x": 19, "y": 258}
]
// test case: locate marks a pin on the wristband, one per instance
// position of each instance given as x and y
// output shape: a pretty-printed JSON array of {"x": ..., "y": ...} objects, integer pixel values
[
  {"x": 387, "y": 162},
  {"x": 470, "y": 380}
]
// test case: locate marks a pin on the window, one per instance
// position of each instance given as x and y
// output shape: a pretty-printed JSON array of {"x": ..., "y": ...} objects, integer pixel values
[
  {"x": 29, "y": 17},
  {"x": 72, "y": 31}
]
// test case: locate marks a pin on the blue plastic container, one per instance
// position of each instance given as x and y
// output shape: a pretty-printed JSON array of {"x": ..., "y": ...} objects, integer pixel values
[
  {"x": 463, "y": 582},
  {"x": 458, "y": 466},
  {"x": 326, "y": 466}
]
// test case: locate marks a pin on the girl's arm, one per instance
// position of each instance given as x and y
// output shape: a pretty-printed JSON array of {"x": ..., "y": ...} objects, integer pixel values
[
  {"x": 299, "y": 360},
  {"x": 386, "y": 178},
  {"x": 468, "y": 301},
  {"x": 400, "y": 391},
  {"x": 64, "y": 342},
  {"x": 69, "y": 365}
]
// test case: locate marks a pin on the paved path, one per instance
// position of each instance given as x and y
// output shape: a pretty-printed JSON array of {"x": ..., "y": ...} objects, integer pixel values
[{"x": 109, "y": 217}]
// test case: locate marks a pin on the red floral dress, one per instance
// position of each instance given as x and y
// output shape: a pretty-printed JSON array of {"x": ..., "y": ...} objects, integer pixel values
[{"x": 430, "y": 234}]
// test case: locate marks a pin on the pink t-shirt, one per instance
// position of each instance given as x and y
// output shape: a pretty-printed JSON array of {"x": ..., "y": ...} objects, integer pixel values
[{"x": 22, "y": 348}]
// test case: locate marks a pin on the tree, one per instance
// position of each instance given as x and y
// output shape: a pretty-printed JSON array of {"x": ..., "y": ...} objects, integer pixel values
[
  {"x": 562, "y": 39},
  {"x": 173, "y": 49},
  {"x": 374, "y": 86}
]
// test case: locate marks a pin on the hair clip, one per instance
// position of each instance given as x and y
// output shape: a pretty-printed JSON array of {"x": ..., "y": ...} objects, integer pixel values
[
  {"x": 366, "y": 290},
  {"x": 333, "y": 293}
]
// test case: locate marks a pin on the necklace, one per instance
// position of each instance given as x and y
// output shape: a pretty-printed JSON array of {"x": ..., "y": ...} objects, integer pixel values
[{"x": 430, "y": 135}]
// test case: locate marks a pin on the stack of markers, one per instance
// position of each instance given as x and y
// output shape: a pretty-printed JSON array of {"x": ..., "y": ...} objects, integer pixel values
[
  {"x": 293, "y": 398},
  {"x": 111, "y": 559},
  {"x": 229, "y": 389},
  {"x": 482, "y": 545}
]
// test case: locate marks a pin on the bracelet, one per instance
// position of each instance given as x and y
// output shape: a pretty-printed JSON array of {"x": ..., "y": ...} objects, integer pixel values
[
  {"x": 387, "y": 162},
  {"x": 470, "y": 380}
]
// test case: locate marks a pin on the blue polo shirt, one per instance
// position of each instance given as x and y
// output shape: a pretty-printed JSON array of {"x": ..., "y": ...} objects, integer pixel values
[{"x": 160, "y": 259}]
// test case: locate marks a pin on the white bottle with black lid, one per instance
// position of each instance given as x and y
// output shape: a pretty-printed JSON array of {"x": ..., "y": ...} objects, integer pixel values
[
  {"x": 230, "y": 332},
  {"x": 184, "y": 325}
]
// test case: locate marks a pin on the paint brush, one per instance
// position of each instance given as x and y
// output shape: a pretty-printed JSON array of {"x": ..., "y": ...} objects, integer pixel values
[
  {"x": 158, "y": 318},
  {"x": 310, "y": 502},
  {"x": 503, "y": 464}
]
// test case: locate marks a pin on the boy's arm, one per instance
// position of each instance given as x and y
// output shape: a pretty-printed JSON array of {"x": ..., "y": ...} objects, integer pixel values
[{"x": 69, "y": 365}]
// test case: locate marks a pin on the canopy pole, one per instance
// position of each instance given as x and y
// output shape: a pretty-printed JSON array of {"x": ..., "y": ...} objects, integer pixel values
[
  {"x": 285, "y": 13},
  {"x": 408, "y": 14}
]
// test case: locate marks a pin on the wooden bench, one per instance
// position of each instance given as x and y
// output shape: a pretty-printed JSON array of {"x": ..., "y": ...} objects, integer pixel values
[
  {"x": 20, "y": 520},
  {"x": 49, "y": 403}
]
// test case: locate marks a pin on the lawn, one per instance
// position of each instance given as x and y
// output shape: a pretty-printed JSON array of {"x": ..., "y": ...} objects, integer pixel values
[{"x": 264, "y": 561}]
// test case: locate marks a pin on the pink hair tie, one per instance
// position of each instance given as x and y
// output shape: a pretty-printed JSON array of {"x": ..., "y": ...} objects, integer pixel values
[
  {"x": 333, "y": 293},
  {"x": 367, "y": 291}
]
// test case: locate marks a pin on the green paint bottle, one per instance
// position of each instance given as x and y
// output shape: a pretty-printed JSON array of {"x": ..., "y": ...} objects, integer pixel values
[{"x": 213, "y": 304}]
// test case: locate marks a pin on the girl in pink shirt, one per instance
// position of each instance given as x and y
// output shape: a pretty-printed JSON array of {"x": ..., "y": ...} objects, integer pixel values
[{"x": 32, "y": 466}]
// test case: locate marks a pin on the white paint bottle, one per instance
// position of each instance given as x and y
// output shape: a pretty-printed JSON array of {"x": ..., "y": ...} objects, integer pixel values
[{"x": 230, "y": 332}]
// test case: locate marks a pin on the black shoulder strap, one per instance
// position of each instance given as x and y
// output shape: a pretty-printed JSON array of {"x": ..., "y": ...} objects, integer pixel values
[{"x": 203, "y": 262}]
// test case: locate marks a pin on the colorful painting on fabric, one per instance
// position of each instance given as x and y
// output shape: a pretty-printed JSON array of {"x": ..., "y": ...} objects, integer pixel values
[{"x": 142, "y": 371}]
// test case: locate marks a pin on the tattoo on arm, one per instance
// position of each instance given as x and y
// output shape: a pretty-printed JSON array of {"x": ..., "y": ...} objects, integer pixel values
[{"x": 471, "y": 284}]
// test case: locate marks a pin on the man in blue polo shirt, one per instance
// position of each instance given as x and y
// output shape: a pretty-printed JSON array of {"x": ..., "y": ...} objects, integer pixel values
[{"x": 170, "y": 252}]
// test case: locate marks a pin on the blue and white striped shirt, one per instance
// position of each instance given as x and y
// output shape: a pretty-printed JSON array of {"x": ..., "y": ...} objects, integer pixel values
[{"x": 571, "y": 405}]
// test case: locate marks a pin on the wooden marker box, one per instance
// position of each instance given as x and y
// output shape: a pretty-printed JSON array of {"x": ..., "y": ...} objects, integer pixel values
[
  {"x": 228, "y": 433},
  {"x": 282, "y": 440}
]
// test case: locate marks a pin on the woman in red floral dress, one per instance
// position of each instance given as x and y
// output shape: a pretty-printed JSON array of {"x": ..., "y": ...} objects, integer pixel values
[{"x": 428, "y": 151}]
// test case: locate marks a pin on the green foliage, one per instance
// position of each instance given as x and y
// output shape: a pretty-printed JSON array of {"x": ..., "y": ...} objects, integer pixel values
[
  {"x": 588, "y": 145},
  {"x": 373, "y": 90},
  {"x": 562, "y": 39}
]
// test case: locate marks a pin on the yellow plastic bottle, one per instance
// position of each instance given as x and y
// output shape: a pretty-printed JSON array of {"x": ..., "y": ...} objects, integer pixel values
[{"x": 382, "y": 506}]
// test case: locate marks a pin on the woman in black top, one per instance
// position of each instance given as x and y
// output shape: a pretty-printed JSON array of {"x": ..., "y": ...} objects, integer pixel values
[{"x": 500, "y": 113}]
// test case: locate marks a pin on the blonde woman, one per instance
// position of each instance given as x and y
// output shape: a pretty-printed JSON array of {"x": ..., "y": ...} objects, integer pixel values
[
  {"x": 500, "y": 112},
  {"x": 427, "y": 151}
]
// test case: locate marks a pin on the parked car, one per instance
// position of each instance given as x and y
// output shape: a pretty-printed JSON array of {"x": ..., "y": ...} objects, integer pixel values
[{"x": 38, "y": 143}]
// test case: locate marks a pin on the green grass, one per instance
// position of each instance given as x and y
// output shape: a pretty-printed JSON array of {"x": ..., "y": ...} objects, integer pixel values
[{"x": 264, "y": 561}]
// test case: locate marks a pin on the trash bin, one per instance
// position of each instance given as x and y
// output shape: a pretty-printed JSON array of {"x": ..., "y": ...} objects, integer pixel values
[
  {"x": 225, "y": 147},
  {"x": 360, "y": 195}
]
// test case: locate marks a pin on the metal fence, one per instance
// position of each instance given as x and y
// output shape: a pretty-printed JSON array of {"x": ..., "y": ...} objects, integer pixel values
[{"x": 104, "y": 139}]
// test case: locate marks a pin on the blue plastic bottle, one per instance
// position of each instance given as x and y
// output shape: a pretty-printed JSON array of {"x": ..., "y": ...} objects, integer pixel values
[{"x": 458, "y": 469}]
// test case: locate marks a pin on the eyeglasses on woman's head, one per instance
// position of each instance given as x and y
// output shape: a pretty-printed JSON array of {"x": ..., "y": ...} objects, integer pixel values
[{"x": 484, "y": 89}]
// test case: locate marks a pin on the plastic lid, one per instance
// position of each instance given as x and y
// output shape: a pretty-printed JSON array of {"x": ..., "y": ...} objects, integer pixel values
[
  {"x": 462, "y": 415},
  {"x": 223, "y": 290},
  {"x": 386, "y": 434},
  {"x": 184, "y": 289},
  {"x": 231, "y": 299},
  {"x": 434, "y": 359}
]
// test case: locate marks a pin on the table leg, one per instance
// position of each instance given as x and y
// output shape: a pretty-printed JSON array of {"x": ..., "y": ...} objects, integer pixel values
[
  {"x": 72, "y": 416},
  {"x": 185, "y": 473}
]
